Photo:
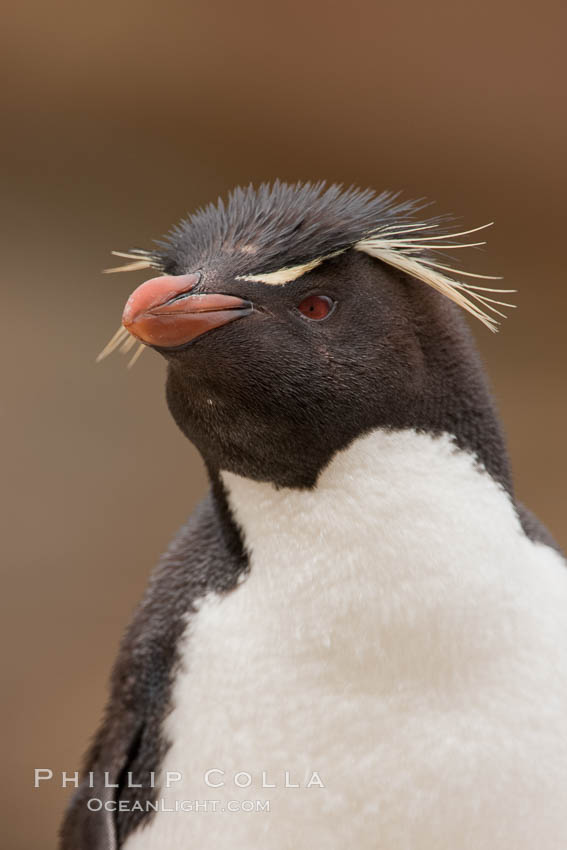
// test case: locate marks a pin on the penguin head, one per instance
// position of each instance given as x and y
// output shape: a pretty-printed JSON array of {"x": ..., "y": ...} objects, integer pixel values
[{"x": 292, "y": 323}]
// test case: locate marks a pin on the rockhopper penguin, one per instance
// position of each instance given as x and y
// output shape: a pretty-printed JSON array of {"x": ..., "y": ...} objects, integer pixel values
[{"x": 360, "y": 625}]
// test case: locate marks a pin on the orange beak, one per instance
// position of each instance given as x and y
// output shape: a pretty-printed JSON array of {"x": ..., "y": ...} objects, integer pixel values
[{"x": 162, "y": 312}]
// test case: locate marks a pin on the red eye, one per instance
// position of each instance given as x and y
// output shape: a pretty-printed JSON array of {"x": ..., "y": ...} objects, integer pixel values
[{"x": 316, "y": 307}]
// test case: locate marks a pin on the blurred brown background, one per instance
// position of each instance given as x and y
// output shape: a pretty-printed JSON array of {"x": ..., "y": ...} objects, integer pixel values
[{"x": 118, "y": 119}]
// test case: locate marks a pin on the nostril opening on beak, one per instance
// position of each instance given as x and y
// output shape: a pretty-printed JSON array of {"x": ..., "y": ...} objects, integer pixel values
[{"x": 179, "y": 297}]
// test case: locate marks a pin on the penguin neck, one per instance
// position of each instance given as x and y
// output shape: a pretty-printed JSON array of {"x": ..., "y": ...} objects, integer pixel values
[
  {"x": 397, "y": 491},
  {"x": 403, "y": 533},
  {"x": 456, "y": 398}
]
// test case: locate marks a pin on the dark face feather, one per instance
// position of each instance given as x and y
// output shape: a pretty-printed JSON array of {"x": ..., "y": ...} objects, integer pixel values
[{"x": 274, "y": 395}]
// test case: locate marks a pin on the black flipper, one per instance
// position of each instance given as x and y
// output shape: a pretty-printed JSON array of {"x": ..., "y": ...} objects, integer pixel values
[{"x": 206, "y": 555}]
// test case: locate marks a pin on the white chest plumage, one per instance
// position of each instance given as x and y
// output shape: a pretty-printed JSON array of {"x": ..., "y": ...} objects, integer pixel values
[{"x": 398, "y": 640}]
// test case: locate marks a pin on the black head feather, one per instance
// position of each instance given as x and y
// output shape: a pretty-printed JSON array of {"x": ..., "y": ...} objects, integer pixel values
[{"x": 273, "y": 226}]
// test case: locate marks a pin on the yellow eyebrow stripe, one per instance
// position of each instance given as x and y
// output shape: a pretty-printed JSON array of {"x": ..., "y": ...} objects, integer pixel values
[
  {"x": 286, "y": 275},
  {"x": 282, "y": 276}
]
